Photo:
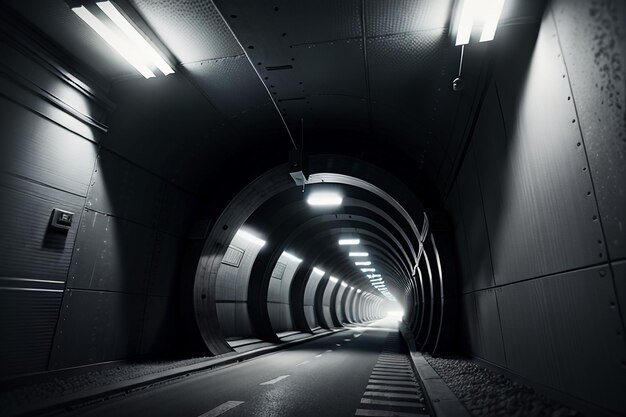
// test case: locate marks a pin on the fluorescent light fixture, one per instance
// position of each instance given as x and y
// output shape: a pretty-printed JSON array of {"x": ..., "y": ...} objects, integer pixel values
[
  {"x": 358, "y": 291},
  {"x": 324, "y": 199},
  {"x": 492, "y": 16},
  {"x": 333, "y": 279},
  {"x": 358, "y": 254},
  {"x": 292, "y": 257},
  {"x": 374, "y": 275},
  {"x": 363, "y": 263},
  {"x": 344, "y": 242},
  {"x": 377, "y": 280},
  {"x": 343, "y": 284},
  {"x": 250, "y": 238},
  {"x": 149, "y": 53},
  {"x": 485, "y": 12},
  {"x": 368, "y": 269},
  {"x": 121, "y": 45},
  {"x": 318, "y": 271}
]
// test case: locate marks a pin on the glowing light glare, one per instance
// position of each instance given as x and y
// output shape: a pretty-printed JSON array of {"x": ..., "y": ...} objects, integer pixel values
[
  {"x": 250, "y": 238},
  {"x": 324, "y": 199},
  {"x": 377, "y": 281},
  {"x": 333, "y": 279},
  {"x": 140, "y": 42},
  {"x": 358, "y": 291},
  {"x": 492, "y": 16},
  {"x": 351, "y": 288},
  {"x": 116, "y": 42},
  {"x": 318, "y": 271},
  {"x": 344, "y": 242},
  {"x": 343, "y": 284},
  {"x": 485, "y": 12},
  {"x": 292, "y": 257},
  {"x": 358, "y": 254},
  {"x": 368, "y": 269},
  {"x": 396, "y": 314},
  {"x": 363, "y": 263},
  {"x": 374, "y": 275}
]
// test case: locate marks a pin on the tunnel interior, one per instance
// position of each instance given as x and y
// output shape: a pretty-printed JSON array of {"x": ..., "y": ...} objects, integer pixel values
[{"x": 308, "y": 167}]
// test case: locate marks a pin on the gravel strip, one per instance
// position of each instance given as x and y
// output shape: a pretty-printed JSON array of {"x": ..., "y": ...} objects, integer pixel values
[
  {"x": 10, "y": 401},
  {"x": 487, "y": 393}
]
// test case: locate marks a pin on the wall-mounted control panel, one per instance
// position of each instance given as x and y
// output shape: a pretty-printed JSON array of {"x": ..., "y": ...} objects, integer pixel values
[{"x": 61, "y": 219}]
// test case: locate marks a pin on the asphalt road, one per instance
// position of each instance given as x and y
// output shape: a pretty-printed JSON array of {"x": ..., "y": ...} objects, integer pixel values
[{"x": 330, "y": 376}]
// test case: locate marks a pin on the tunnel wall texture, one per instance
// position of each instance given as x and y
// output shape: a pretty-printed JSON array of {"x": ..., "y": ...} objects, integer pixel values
[
  {"x": 538, "y": 207},
  {"x": 309, "y": 298},
  {"x": 106, "y": 288},
  {"x": 278, "y": 302}
]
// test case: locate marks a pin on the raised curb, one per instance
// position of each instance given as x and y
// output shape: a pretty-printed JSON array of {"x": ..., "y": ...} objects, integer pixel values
[
  {"x": 442, "y": 401},
  {"x": 105, "y": 392}
]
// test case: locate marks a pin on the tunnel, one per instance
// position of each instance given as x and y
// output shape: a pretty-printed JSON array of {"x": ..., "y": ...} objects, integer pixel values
[{"x": 325, "y": 208}]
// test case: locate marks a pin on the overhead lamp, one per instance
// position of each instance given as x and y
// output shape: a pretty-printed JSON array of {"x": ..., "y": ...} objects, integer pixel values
[
  {"x": 324, "y": 199},
  {"x": 333, "y": 279},
  {"x": 318, "y": 271},
  {"x": 363, "y": 263},
  {"x": 344, "y": 242},
  {"x": 127, "y": 41},
  {"x": 377, "y": 280},
  {"x": 368, "y": 269},
  {"x": 358, "y": 291},
  {"x": 485, "y": 12},
  {"x": 358, "y": 254},
  {"x": 292, "y": 257},
  {"x": 250, "y": 238},
  {"x": 374, "y": 275}
]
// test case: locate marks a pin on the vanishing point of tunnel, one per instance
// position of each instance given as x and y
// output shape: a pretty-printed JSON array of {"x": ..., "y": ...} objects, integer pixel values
[{"x": 313, "y": 208}]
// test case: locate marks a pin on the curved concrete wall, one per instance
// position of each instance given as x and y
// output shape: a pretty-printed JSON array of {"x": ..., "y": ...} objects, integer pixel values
[
  {"x": 278, "y": 302},
  {"x": 327, "y": 303},
  {"x": 231, "y": 287},
  {"x": 312, "y": 285},
  {"x": 339, "y": 308}
]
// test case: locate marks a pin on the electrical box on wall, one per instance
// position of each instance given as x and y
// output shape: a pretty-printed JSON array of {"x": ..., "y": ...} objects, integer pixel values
[{"x": 61, "y": 219}]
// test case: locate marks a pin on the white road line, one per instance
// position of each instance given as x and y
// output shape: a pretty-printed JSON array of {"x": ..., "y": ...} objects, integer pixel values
[
  {"x": 384, "y": 387},
  {"x": 391, "y": 403},
  {"x": 221, "y": 409},
  {"x": 384, "y": 413},
  {"x": 275, "y": 380},
  {"x": 387, "y": 382},
  {"x": 337, "y": 344},
  {"x": 356, "y": 335},
  {"x": 329, "y": 350},
  {"x": 319, "y": 356},
  {"x": 303, "y": 363},
  {"x": 347, "y": 340},
  {"x": 402, "y": 395}
]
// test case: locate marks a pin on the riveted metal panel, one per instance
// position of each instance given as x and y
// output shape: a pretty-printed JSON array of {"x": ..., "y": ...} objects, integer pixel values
[
  {"x": 562, "y": 331},
  {"x": 27, "y": 318},
  {"x": 233, "y": 256},
  {"x": 592, "y": 37},
  {"x": 231, "y": 84},
  {"x": 38, "y": 149},
  {"x": 619, "y": 275},
  {"x": 29, "y": 248},
  {"x": 385, "y": 17},
  {"x": 460, "y": 239},
  {"x": 535, "y": 180},
  {"x": 111, "y": 254},
  {"x": 330, "y": 68},
  {"x": 97, "y": 326},
  {"x": 193, "y": 30}
]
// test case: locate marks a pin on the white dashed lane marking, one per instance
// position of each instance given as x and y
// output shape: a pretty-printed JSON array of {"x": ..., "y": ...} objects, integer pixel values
[
  {"x": 275, "y": 380},
  {"x": 303, "y": 363},
  {"x": 221, "y": 409}
]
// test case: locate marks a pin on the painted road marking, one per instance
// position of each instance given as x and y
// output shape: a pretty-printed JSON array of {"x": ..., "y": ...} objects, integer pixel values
[
  {"x": 329, "y": 350},
  {"x": 356, "y": 335},
  {"x": 347, "y": 340},
  {"x": 222, "y": 408},
  {"x": 319, "y": 356},
  {"x": 303, "y": 363},
  {"x": 380, "y": 381},
  {"x": 391, "y": 395},
  {"x": 337, "y": 344},
  {"x": 275, "y": 380}
]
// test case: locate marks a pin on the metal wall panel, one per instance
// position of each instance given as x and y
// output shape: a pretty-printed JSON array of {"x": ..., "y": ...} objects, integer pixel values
[
  {"x": 167, "y": 255},
  {"x": 111, "y": 254},
  {"x": 28, "y": 318},
  {"x": 231, "y": 283},
  {"x": 535, "y": 182},
  {"x": 479, "y": 255},
  {"x": 97, "y": 326},
  {"x": 160, "y": 333},
  {"x": 338, "y": 306},
  {"x": 490, "y": 334},
  {"x": 619, "y": 276},
  {"x": 591, "y": 35},
  {"x": 29, "y": 248},
  {"x": 38, "y": 149},
  {"x": 453, "y": 205},
  {"x": 563, "y": 331}
]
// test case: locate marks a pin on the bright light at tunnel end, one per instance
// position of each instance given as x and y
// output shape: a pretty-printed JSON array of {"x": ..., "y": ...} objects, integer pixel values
[{"x": 324, "y": 199}]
